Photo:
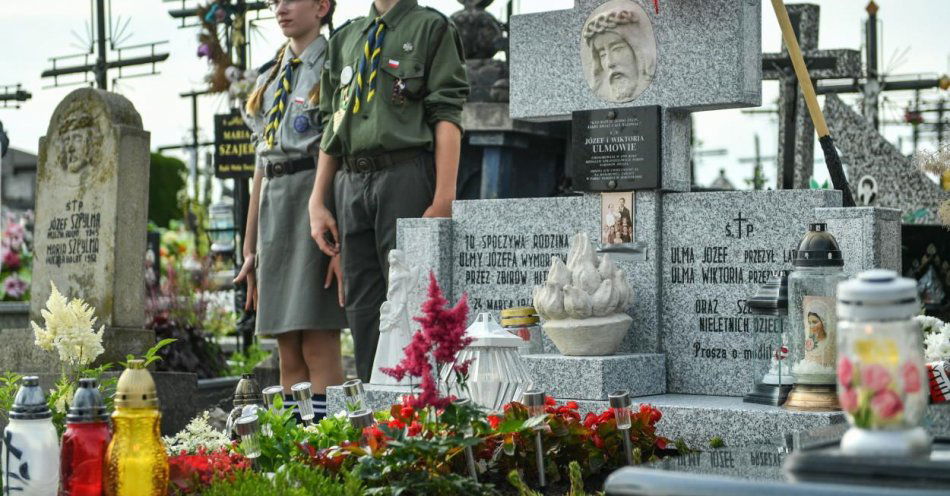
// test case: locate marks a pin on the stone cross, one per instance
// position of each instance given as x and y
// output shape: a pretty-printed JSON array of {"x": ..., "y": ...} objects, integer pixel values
[
  {"x": 692, "y": 56},
  {"x": 91, "y": 215},
  {"x": 796, "y": 130}
]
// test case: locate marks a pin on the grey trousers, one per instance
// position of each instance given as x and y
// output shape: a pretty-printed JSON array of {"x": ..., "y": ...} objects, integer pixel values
[{"x": 367, "y": 206}]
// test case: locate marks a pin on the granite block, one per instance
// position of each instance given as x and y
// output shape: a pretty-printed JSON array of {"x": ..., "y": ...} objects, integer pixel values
[
  {"x": 20, "y": 354},
  {"x": 427, "y": 244},
  {"x": 717, "y": 248},
  {"x": 593, "y": 378},
  {"x": 697, "y": 419},
  {"x": 14, "y": 315},
  {"x": 501, "y": 249},
  {"x": 869, "y": 237},
  {"x": 378, "y": 397},
  {"x": 871, "y": 158},
  {"x": 708, "y": 57}
]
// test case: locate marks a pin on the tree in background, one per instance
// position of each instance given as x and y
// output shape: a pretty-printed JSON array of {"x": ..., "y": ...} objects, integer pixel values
[{"x": 166, "y": 183}]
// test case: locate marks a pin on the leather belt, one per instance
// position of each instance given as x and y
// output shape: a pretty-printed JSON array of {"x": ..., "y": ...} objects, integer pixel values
[
  {"x": 373, "y": 163},
  {"x": 277, "y": 169}
]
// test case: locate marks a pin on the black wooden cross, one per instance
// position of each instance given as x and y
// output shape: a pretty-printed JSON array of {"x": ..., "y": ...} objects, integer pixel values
[
  {"x": 796, "y": 131},
  {"x": 97, "y": 59},
  {"x": 13, "y": 93}
]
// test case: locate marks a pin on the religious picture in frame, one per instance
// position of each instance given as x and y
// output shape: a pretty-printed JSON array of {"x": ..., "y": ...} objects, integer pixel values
[
  {"x": 616, "y": 220},
  {"x": 618, "y": 51}
]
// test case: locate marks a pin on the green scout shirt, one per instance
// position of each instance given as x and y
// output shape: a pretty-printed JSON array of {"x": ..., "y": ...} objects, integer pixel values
[{"x": 421, "y": 81}]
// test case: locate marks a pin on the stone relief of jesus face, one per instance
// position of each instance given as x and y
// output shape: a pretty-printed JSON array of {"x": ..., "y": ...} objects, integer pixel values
[
  {"x": 76, "y": 149},
  {"x": 618, "y": 64}
]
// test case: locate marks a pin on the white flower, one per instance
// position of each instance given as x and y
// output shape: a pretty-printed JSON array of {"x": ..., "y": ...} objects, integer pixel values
[
  {"x": 937, "y": 345},
  {"x": 929, "y": 324},
  {"x": 198, "y": 433},
  {"x": 69, "y": 330}
]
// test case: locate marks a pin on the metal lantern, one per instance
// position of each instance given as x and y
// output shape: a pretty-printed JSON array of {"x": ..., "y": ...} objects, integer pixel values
[
  {"x": 812, "y": 287},
  {"x": 249, "y": 428},
  {"x": 620, "y": 405},
  {"x": 496, "y": 374},
  {"x": 882, "y": 383},
  {"x": 354, "y": 396},
  {"x": 270, "y": 393},
  {"x": 303, "y": 396},
  {"x": 361, "y": 420},
  {"x": 534, "y": 400},
  {"x": 772, "y": 379},
  {"x": 246, "y": 393}
]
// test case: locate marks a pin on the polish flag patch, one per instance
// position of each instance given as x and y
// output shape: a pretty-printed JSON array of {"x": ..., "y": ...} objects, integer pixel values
[
  {"x": 298, "y": 99},
  {"x": 393, "y": 64}
]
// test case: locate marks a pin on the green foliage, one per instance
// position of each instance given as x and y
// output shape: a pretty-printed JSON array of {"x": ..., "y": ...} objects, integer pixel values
[
  {"x": 332, "y": 431},
  {"x": 514, "y": 478},
  {"x": 283, "y": 445},
  {"x": 716, "y": 442},
  {"x": 292, "y": 480},
  {"x": 9, "y": 383},
  {"x": 244, "y": 363},
  {"x": 166, "y": 184},
  {"x": 812, "y": 184},
  {"x": 151, "y": 355}
]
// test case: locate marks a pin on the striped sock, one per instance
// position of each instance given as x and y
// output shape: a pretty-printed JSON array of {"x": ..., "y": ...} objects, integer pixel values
[
  {"x": 319, "y": 407},
  {"x": 291, "y": 404}
]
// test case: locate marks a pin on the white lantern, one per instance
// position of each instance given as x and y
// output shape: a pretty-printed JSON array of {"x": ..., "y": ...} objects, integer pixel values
[{"x": 496, "y": 375}]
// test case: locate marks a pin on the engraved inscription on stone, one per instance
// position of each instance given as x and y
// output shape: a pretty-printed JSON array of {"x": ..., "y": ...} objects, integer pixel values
[{"x": 618, "y": 51}]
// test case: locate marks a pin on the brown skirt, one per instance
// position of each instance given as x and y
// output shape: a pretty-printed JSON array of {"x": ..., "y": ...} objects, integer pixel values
[{"x": 291, "y": 268}]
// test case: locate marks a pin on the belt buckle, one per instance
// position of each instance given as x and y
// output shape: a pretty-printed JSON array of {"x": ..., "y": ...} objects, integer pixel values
[
  {"x": 363, "y": 164},
  {"x": 278, "y": 169}
]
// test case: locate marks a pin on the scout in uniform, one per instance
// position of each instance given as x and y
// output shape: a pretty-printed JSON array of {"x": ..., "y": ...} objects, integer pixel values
[
  {"x": 293, "y": 285},
  {"x": 392, "y": 94}
]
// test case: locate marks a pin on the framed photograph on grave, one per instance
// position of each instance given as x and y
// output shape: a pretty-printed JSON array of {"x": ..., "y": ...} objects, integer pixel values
[
  {"x": 616, "y": 218},
  {"x": 616, "y": 149},
  {"x": 233, "y": 150}
]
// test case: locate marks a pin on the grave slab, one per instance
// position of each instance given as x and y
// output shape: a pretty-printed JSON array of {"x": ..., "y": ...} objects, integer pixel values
[
  {"x": 871, "y": 237},
  {"x": 707, "y": 57},
  {"x": 593, "y": 378}
]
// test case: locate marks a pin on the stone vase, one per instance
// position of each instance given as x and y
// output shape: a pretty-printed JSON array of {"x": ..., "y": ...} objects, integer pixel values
[{"x": 596, "y": 336}]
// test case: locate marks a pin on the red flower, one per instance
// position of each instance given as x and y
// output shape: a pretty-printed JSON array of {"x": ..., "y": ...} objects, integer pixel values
[
  {"x": 572, "y": 405},
  {"x": 494, "y": 421},
  {"x": 396, "y": 424},
  {"x": 590, "y": 420},
  {"x": 911, "y": 375},
  {"x": 661, "y": 443},
  {"x": 549, "y": 401},
  {"x": 845, "y": 371},
  {"x": 407, "y": 412},
  {"x": 886, "y": 404},
  {"x": 598, "y": 442},
  {"x": 875, "y": 377},
  {"x": 415, "y": 428},
  {"x": 848, "y": 398}
]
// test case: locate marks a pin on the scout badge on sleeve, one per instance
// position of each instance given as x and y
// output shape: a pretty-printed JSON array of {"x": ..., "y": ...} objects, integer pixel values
[{"x": 301, "y": 123}]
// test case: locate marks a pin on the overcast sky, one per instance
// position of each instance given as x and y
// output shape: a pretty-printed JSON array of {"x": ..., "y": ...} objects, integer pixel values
[{"x": 913, "y": 35}]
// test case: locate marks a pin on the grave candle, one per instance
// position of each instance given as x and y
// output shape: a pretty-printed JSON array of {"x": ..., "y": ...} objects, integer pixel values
[
  {"x": 136, "y": 462},
  {"x": 882, "y": 385},
  {"x": 30, "y": 445},
  {"x": 771, "y": 383},
  {"x": 246, "y": 393},
  {"x": 84, "y": 443},
  {"x": 524, "y": 323},
  {"x": 534, "y": 400},
  {"x": 812, "y": 287}
]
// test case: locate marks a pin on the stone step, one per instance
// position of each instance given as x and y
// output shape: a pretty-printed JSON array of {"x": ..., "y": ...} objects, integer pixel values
[{"x": 593, "y": 378}]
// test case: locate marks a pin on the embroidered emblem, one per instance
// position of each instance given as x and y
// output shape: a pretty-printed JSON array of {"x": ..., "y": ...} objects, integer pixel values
[{"x": 407, "y": 47}]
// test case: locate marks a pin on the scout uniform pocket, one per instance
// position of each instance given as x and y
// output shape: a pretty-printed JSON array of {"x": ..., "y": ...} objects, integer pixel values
[{"x": 405, "y": 78}]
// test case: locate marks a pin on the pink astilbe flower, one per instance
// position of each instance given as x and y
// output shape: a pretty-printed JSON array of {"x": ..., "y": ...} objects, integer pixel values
[{"x": 442, "y": 335}]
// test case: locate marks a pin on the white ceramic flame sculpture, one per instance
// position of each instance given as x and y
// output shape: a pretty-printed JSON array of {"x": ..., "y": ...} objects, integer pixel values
[
  {"x": 395, "y": 323},
  {"x": 584, "y": 302}
]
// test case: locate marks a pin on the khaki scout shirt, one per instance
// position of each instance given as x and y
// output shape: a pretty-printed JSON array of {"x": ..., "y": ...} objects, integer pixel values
[
  {"x": 300, "y": 129},
  {"x": 421, "y": 81}
]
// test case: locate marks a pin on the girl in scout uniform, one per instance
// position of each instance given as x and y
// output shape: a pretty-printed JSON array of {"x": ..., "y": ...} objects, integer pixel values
[
  {"x": 294, "y": 288},
  {"x": 391, "y": 100}
]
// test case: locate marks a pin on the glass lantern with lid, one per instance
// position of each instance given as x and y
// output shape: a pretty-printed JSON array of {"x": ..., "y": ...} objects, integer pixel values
[
  {"x": 812, "y": 286},
  {"x": 771, "y": 375},
  {"x": 882, "y": 383}
]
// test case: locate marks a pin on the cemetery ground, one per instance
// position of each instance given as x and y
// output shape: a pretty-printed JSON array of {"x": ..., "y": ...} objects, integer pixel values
[{"x": 115, "y": 267}]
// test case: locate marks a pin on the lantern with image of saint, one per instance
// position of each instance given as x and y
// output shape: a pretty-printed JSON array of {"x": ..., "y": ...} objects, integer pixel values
[
  {"x": 772, "y": 379},
  {"x": 882, "y": 383},
  {"x": 496, "y": 373},
  {"x": 812, "y": 321}
]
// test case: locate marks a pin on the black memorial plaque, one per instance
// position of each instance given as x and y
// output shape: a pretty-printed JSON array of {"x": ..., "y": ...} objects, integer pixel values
[
  {"x": 616, "y": 149},
  {"x": 233, "y": 150}
]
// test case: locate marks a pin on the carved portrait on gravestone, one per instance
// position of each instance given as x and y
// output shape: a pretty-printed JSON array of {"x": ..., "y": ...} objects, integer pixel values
[
  {"x": 79, "y": 142},
  {"x": 618, "y": 51}
]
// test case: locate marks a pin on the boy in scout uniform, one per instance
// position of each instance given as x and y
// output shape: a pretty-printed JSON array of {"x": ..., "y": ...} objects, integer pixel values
[{"x": 391, "y": 98}]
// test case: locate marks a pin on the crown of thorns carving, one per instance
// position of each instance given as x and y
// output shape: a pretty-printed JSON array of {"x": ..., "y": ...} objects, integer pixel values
[{"x": 609, "y": 21}]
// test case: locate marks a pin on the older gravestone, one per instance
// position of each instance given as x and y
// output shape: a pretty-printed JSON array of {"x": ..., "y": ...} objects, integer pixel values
[{"x": 91, "y": 215}]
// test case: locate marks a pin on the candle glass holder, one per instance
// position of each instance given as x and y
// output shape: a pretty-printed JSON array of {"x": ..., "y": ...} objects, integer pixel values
[
  {"x": 772, "y": 379},
  {"x": 249, "y": 428},
  {"x": 620, "y": 405},
  {"x": 303, "y": 395},
  {"x": 534, "y": 401},
  {"x": 354, "y": 396}
]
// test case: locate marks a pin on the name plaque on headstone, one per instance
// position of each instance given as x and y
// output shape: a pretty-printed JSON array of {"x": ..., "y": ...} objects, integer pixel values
[
  {"x": 233, "y": 150},
  {"x": 616, "y": 149}
]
